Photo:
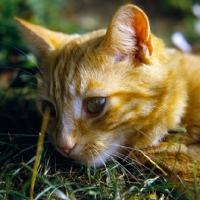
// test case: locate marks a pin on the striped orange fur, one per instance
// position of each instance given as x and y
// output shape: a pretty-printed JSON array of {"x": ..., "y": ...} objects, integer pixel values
[{"x": 118, "y": 89}]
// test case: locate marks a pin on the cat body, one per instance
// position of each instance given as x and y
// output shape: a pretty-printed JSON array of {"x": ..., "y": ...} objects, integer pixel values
[{"x": 118, "y": 89}]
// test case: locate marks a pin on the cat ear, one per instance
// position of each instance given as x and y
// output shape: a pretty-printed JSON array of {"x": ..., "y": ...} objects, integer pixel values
[
  {"x": 42, "y": 40},
  {"x": 129, "y": 34}
]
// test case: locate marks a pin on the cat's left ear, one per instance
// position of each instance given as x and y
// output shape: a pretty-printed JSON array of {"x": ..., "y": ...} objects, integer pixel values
[
  {"x": 42, "y": 40},
  {"x": 129, "y": 35}
]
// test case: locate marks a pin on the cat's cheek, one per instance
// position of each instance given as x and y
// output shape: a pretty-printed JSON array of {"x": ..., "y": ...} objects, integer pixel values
[
  {"x": 51, "y": 133},
  {"x": 108, "y": 150},
  {"x": 98, "y": 161}
]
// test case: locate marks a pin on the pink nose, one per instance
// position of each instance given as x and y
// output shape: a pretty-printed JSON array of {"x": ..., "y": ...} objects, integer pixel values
[{"x": 66, "y": 149}]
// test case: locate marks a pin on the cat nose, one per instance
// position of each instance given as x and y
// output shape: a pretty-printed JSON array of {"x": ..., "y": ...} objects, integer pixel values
[{"x": 67, "y": 148}]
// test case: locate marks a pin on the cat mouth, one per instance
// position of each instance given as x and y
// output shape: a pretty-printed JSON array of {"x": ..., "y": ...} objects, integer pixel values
[
  {"x": 91, "y": 160},
  {"x": 97, "y": 161},
  {"x": 95, "y": 154}
]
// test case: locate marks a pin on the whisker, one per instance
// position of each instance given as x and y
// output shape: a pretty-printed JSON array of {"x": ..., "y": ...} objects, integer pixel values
[
  {"x": 25, "y": 55},
  {"x": 55, "y": 166},
  {"x": 145, "y": 136},
  {"x": 94, "y": 165},
  {"x": 122, "y": 167},
  {"x": 136, "y": 160},
  {"x": 114, "y": 161},
  {"x": 128, "y": 161},
  {"x": 32, "y": 146},
  {"x": 107, "y": 171},
  {"x": 128, "y": 149},
  {"x": 120, "y": 156},
  {"x": 145, "y": 176},
  {"x": 19, "y": 134},
  {"x": 28, "y": 73},
  {"x": 35, "y": 90},
  {"x": 31, "y": 83},
  {"x": 32, "y": 76},
  {"x": 28, "y": 149}
]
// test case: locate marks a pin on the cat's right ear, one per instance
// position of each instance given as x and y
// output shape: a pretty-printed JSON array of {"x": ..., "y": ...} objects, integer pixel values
[
  {"x": 129, "y": 35},
  {"x": 42, "y": 40}
]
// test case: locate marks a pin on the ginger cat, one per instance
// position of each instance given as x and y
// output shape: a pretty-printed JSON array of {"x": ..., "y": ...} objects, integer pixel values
[{"x": 119, "y": 92}]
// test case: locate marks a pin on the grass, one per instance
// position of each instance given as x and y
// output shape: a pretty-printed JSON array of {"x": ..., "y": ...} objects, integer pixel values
[{"x": 56, "y": 176}]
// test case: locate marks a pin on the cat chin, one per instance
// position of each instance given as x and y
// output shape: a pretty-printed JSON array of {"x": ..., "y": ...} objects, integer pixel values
[
  {"x": 99, "y": 161},
  {"x": 108, "y": 155},
  {"x": 110, "y": 152}
]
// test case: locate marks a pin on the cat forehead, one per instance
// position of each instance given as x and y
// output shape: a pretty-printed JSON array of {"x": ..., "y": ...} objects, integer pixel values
[
  {"x": 89, "y": 74},
  {"x": 89, "y": 40},
  {"x": 76, "y": 54},
  {"x": 80, "y": 58},
  {"x": 80, "y": 69},
  {"x": 77, "y": 70},
  {"x": 85, "y": 74}
]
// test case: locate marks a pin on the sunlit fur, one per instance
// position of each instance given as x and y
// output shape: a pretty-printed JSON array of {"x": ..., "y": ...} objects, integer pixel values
[{"x": 149, "y": 91}]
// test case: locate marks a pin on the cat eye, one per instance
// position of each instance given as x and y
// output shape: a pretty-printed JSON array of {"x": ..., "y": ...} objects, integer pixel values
[
  {"x": 46, "y": 104},
  {"x": 95, "y": 104}
]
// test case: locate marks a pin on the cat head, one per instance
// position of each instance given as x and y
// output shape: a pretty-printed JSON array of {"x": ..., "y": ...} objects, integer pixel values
[{"x": 101, "y": 87}]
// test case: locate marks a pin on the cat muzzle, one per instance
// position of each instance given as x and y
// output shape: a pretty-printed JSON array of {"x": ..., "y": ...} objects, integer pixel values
[{"x": 66, "y": 149}]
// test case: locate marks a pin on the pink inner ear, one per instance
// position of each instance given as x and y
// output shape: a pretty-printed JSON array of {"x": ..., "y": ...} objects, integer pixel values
[
  {"x": 119, "y": 58},
  {"x": 141, "y": 26},
  {"x": 128, "y": 34},
  {"x": 150, "y": 45}
]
